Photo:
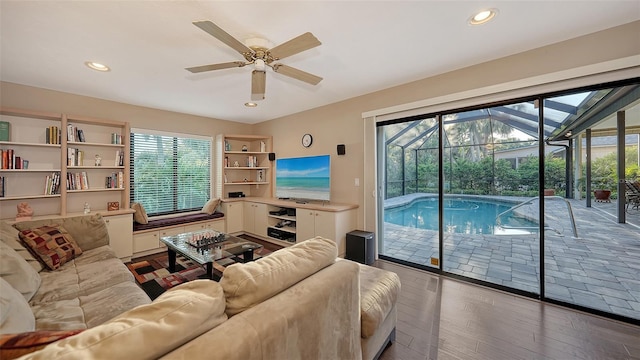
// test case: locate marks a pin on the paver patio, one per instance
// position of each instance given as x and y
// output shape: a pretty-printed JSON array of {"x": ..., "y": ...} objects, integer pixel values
[{"x": 599, "y": 269}]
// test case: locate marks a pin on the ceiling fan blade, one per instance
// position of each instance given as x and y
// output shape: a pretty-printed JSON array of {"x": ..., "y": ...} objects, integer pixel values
[
  {"x": 258, "y": 84},
  {"x": 297, "y": 74},
  {"x": 203, "y": 68},
  {"x": 296, "y": 45},
  {"x": 223, "y": 36}
]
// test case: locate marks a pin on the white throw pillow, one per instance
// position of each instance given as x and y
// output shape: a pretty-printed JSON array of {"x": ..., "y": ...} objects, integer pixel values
[
  {"x": 246, "y": 285},
  {"x": 147, "y": 331},
  {"x": 15, "y": 313},
  {"x": 17, "y": 272},
  {"x": 211, "y": 206}
]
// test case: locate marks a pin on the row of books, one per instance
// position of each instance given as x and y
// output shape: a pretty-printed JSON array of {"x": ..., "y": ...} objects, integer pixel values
[
  {"x": 115, "y": 181},
  {"x": 5, "y": 131},
  {"x": 251, "y": 161},
  {"x": 74, "y": 134},
  {"x": 52, "y": 135},
  {"x": 77, "y": 181},
  {"x": 52, "y": 184},
  {"x": 119, "y": 158},
  {"x": 116, "y": 138},
  {"x": 9, "y": 160},
  {"x": 2, "y": 193},
  {"x": 75, "y": 157}
]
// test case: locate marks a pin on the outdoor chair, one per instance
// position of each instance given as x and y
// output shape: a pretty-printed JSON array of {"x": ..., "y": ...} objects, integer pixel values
[{"x": 632, "y": 194}]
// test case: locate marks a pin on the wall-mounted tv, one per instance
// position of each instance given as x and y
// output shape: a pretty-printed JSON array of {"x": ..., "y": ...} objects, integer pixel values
[{"x": 304, "y": 178}]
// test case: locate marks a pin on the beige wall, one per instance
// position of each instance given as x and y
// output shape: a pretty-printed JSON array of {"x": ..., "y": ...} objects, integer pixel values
[{"x": 342, "y": 123}]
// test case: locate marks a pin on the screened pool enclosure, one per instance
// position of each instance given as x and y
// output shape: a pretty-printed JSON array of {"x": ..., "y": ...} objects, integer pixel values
[{"x": 461, "y": 193}]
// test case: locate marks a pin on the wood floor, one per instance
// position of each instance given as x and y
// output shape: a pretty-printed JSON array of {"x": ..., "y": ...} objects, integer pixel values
[{"x": 443, "y": 318}]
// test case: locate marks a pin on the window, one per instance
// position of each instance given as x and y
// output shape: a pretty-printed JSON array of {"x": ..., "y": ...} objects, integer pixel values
[{"x": 170, "y": 173}]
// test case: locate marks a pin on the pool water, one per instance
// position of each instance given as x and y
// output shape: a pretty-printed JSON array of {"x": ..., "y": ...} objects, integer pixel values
[{"x": 464, "y": 216}]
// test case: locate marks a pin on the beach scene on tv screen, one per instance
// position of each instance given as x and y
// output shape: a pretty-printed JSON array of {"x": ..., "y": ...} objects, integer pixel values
[{"x": 303, "y": 177}]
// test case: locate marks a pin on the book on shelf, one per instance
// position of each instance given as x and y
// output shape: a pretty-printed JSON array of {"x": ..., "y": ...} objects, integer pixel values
[
  {"x": 116, "y": 138},
  {"x": 2, "y": 193},
  {"x": 77, "y": 181},
  {"x": 81, "y": 135},
  {"x": 9, "y": 160},
  {"x": 5, "y": 131},
  {"x": 115, "y": 181},
  {"x": 52, "y": 184},
  {"x": 119, "y": 161},
  {"x": 75, "y": 157},
  {"x": 52, "y": 135}
]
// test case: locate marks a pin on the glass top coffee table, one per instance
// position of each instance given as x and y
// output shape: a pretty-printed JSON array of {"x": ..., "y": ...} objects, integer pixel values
[{"x": 225, "y": 246}]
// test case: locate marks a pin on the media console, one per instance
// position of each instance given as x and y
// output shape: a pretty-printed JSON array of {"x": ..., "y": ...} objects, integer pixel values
[{"x": 285, "y": 222}]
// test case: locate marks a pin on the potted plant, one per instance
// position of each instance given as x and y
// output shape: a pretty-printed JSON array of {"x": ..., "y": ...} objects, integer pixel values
[{"x": 602, "y": 191}]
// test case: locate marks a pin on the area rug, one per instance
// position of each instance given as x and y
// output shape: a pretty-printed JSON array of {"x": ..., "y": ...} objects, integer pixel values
[{"x": 153, "y": 276}]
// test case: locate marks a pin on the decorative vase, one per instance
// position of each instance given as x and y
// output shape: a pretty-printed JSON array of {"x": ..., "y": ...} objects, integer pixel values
[{"x": 602, "y": 195}]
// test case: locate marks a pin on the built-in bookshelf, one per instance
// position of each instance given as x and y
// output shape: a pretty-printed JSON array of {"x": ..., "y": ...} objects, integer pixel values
[
  {"x": 59, "y": 162},
  {"x": 243, "y": 165}
]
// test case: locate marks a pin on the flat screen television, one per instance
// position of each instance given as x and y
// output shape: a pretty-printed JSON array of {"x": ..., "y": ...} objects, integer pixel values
[{"x": 304, "y": 178}]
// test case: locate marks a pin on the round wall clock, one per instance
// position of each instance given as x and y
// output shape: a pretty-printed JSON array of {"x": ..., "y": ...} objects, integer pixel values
[{"x": 307, "y": 140}]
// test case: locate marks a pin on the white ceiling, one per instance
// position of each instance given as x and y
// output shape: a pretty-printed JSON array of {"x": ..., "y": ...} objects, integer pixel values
[{"x": 366, "y": 46}]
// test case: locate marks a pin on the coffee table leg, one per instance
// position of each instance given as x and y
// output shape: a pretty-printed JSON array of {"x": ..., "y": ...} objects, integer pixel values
[
  {"x": 248, "y": 255},
  {"x": 210, "y": 271},
  {"x": 171, "y": 254}
]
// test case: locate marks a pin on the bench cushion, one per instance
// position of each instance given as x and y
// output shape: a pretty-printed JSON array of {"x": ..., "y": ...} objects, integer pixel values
[
  {"x": 379, "y": 290},
  {"x": 184, "y": 219}
]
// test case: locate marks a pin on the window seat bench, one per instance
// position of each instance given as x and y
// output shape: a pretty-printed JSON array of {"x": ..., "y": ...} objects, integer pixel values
[
  {"x": 146, "y": 237},
  {"x": 178, "y": 220}
]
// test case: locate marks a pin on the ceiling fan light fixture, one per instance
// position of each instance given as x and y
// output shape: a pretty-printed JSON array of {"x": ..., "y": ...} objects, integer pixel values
[
  {"x": 97, "y": 66},
  {"x": 483, "y": 17},
  {"x": 260, "y": 65}
]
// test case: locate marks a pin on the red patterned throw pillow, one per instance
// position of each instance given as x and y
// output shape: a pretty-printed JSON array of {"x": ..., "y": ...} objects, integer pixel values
[
  {"x": 15, "y": 345},
  {"x": 52, "y": 244}
]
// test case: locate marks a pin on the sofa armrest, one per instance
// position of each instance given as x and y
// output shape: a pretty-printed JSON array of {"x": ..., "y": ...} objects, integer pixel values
[{"x": 317, "y": 318}]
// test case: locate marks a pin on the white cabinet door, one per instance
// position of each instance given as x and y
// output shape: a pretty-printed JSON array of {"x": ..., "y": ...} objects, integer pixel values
[
  {"x": 260, "y": 221},
  {"x": 325, "y": 224},
  {"x": 217, "y": 225},
  {"x": 120, "y": 234},
  {"x": 255, "y": 218},
  {"x": 233, "y": 216},
  {"x": 305, "y": 224},
  {"x": 248, "y": 216},
  {"x": 146, "y": 241}
]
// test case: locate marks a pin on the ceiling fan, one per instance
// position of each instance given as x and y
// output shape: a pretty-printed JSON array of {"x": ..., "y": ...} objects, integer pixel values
[{"x": 261, "y": 58}]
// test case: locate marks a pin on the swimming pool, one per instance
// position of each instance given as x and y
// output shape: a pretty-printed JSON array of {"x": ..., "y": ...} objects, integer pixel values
[{"x": 461, "y": 215}]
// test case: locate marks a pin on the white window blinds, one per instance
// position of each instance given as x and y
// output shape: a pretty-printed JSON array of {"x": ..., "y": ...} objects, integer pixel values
[{"x": 170, "y": 173}]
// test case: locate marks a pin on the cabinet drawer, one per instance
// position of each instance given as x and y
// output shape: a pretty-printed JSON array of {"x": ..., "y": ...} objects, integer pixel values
[
  {"x": 195, "y": 227},
  {"x": 146, "y": 241}
]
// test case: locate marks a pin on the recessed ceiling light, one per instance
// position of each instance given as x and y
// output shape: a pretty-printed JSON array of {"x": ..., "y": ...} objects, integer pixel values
[
  {"x": 97, "y": 66},
  {"x": 483, "y": 17},
  {"x": 250, "y": 104}
]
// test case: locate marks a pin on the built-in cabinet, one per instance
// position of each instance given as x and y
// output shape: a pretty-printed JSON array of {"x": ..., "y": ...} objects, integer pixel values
[
  {"x": 62, "y": 163},
  {"x": 255, "y": 218},
  {"x": 295, "y": 222},
  {"x": 120, "y": 235},
  {"x": 243, "y": 165}
]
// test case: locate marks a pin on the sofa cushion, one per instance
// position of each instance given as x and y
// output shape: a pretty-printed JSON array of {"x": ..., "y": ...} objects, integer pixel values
[
  {"x": 90, "y": 310},
  {"x": 89, "y": 231},
  {"x": 9, "y": 235},
  {"x": 248, "y": 284},
  {"x": 52, "y": 244},
  {"x": 176, "y": 220},
  {"x": 17, "y": 272},
  {"x": 15, "y": 345},
  {"x": 211, "y": 206},
  {"x": 140, "y": 215},
  {"x": 148, "y": 331},
  {"x": 379, "y": 290},
  {"x": 15, "y": 314},
  {"x": 80, "y": 277}
]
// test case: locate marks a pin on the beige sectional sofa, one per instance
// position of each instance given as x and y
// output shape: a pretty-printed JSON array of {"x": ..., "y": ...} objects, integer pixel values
[
  {"x": 84, "y": 292},
  {"x": 297, "y": 303}
]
